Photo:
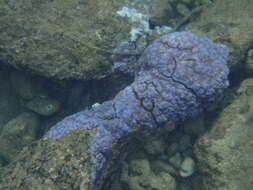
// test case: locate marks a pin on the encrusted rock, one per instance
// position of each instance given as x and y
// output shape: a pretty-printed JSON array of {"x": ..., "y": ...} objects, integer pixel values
[
  {"x": 16, "y": 134},
  {"x": 177, "y": 76},
  {"x": 224, "y": 154},
  {"x": 228, "y": 21},
  {"x": 60, "y": 39}
]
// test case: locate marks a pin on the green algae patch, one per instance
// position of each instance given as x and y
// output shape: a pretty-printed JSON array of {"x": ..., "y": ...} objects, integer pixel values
[
  {"x": 51, "y": 164},
  {"x": 61, "y": 39}
]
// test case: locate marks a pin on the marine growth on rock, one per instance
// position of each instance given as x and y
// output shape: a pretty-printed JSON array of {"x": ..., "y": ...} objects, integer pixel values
[{"x": 176, "y": 77}]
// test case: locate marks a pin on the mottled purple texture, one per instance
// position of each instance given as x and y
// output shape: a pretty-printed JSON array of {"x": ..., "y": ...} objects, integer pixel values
[
  {"x": 125, "y": 57},
  {"x": 177, "y": 76}
]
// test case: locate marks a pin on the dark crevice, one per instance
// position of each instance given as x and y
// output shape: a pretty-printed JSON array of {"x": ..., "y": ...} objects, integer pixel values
[
  {"x": 186, "y": 87},
  {"x": 144, "y": 107}
]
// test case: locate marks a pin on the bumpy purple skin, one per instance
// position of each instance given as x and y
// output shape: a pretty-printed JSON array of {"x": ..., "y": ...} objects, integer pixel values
[
  {"x": 125, "y": 62},
  {"x": 178, "y": 75}
]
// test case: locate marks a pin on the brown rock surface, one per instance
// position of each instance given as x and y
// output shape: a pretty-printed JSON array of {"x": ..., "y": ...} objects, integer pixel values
[
  {"x": 224, "y": 154},
  {"x": 228, "y": 21},
  {"x": 60, "y": 39}
]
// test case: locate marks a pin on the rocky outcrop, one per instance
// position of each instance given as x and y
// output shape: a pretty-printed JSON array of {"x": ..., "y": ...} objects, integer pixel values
[
  {"x": 61, "y": 39},
  {"x": 227, "y": 21},
  {"x": 16, "y": 134},
  {"x": 224, "y": 154},
  {"x": 177, "y": 76}
]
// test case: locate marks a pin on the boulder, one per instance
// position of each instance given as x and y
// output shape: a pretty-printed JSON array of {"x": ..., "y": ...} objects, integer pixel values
[
  {"x": 224, "y": 154},
  {"x": 61, "y": 39},
  {"x": 16, "y": 134},
  {"x": 227, "y": 21}
]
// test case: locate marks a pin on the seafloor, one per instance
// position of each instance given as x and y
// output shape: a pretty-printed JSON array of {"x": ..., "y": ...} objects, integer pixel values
[{"x": 61, "y": 57}]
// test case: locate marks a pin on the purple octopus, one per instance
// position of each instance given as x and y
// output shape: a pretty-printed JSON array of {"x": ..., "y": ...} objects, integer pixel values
[{"x": 176, "y": 77}]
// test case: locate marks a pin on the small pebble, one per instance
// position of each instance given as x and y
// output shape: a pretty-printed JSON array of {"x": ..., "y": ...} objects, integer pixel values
[{"x": 187, "y": 167}]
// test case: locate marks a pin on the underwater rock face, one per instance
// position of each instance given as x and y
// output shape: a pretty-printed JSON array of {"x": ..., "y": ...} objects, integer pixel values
[
  {"x": 224, "y": 154},
  {"x": 18, "y": 133},
  {"x": 177, "y": 76},
  {"x": 60, "y": 39},
  {"x": 228, "y": 26}
]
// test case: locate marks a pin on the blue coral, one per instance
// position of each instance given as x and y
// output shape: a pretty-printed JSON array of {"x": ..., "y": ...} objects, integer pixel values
[{"x": 177, "y": 76}]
